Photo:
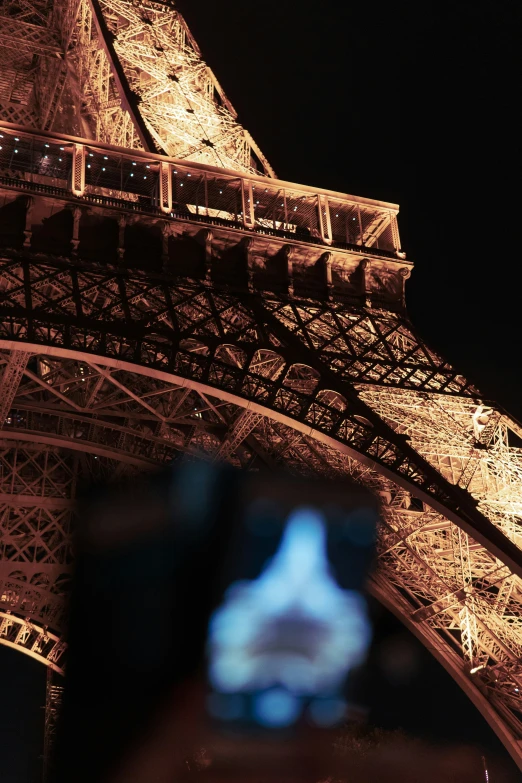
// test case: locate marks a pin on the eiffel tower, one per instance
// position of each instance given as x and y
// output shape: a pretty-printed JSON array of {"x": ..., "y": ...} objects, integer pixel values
[{"x": 164, "y": 295}]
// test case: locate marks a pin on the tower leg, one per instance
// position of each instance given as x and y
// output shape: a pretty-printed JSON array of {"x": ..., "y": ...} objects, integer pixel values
[{"x": 53, "y": 703}]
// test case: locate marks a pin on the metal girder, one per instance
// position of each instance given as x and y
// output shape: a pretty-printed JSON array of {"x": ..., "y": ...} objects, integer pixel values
[
  {"x": 19, "y": 35},
  {"x": 131, "y": 368},
  {"x": 450, "y": 660},
  {"x": 35, "y": 543},
  {"x": 241, "y": 428},
  {"x": 409, "y": 540},
  {"x": 37, "y": 642},
  {"x": 134, "y": 72},
  {"x": 181, "y": 101},
  {"x": 53, "y": 704},
  {"x": 128, "y": 100},
  {"x": 362, "y": 345},
  {"x": 291, "y": 334},
  {"x": 204, "y": 193},
  {"x": 418, "y": 556},
  {"x": 34, "y": 38},
  {"x": 22, "y": 501},
  {"x": 9, "y": 382}
]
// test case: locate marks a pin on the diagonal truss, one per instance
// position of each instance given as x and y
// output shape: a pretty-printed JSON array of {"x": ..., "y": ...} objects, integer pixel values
[
  {"x": 35, "y": 37},
  {"x": 261, "y": 322},
  {"x": 121, "y": 72},
  {"x": 9, "y": 382},
  {"x": 53, "y": 704},
  {"x": 287, "y": 332},
  {"x": 37, "y": 642},
  {"x": 442, "y": 580}
]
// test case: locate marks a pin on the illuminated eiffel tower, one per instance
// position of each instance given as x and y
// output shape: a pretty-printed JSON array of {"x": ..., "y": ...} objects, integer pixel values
[{"x": 162, "y": 293}]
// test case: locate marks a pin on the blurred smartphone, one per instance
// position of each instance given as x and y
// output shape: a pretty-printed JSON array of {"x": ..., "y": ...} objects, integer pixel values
[
  {"x": 291, "y": 622},
  {"x": 251, "y": 582}
]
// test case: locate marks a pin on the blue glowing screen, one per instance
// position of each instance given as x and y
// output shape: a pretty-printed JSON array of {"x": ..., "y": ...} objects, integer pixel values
[{"x": 290, "y": 636}]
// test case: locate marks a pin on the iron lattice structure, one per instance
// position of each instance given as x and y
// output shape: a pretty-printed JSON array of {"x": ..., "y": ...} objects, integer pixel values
[
  {"x": 128, "y": 73},
  {"x": 162, "y": 298}
]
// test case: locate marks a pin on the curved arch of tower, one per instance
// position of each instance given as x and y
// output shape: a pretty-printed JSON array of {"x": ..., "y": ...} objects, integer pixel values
[{"x": 163, "y": 296}]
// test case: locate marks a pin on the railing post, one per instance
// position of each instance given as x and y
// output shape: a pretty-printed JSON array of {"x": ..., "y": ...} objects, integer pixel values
[
  {"x": 395, "y": 231},
  {"x": 32, "y": 171},
  {"x": 247, "y": 197},
  {"x": 326, "y": 258},
  {"x": 249, "y": 247},
  {"x": 53, "y": 705},
  {"x": 165, "y": 236},
  {"x": 361, "y": 235},
  {"x": 325, "y": 225},
  {"x": 287, "y": 250},
  {"x": 165, "y": 187},
  {"x": 405, "y": 273},
  {"x": 28, "y": 221},
  {"x": 208, "y": 255},
  {"x": 75, "y": 241},
  {"x": 122, "y": 224},
  {"x": 365, "y": 266},
  {"x": 78, "y": 170}
]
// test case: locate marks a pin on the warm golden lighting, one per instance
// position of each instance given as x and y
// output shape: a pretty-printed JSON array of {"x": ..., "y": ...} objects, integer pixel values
[{"x": 163, "y": 293}]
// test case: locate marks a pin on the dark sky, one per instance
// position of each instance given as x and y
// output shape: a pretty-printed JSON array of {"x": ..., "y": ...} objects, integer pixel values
[
  {"x": 415, "y": 103},
  {"x": 22, "y": 702},
  {"x": 411, "y": 102}
]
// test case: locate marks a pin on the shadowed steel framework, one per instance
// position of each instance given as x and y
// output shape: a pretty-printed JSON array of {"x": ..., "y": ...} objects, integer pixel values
[{"x": 163, "y": 295}]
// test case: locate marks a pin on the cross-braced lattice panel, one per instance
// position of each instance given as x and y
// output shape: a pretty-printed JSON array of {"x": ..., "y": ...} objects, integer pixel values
[
  {"x": 33, "y": 531},
  {"x": 36, "y": 486},
  {"x": 36, "y": 472},
  {"x": 438, "y": 575},
  {"x": 94, "y": 86},
  {"x": 33, "y": 38},
  {"x": 180, "y": 101},
  {"x": 17, "y": 73},
  {"x": 37, "y": 641},
  {"x": 449, "y": 434},
  {"x": 447, "y": 582},
  {"x": 18, "y": 66}
]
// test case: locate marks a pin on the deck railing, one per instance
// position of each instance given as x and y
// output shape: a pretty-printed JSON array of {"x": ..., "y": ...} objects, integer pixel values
[{"x": 141, "y": 181}]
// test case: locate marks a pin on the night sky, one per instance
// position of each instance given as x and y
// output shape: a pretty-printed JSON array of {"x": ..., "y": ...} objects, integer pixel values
[{"x": 414, "y": 103}]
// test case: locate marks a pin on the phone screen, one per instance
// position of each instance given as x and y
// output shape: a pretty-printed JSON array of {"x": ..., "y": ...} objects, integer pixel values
[
  {"x": 250, "y": 583},
  {"x": 292, "y": 621}
]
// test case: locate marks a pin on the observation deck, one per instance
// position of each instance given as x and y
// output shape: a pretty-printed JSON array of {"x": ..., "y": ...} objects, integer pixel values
[{"x": 73, "y": 197}]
